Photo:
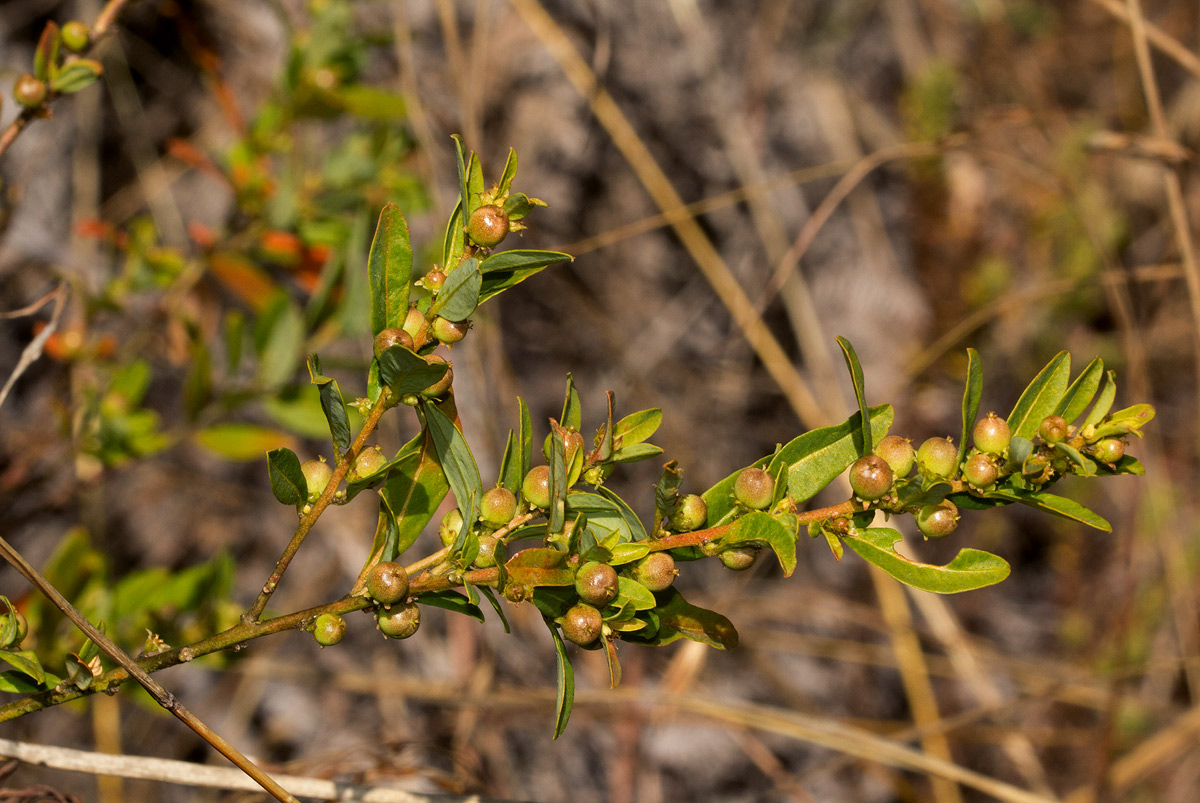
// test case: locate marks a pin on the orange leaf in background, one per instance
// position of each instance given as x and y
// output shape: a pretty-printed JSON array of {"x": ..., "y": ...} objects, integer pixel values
[
  {"x": 193, "y": 157},
  {"x": 201, "y": 235},
  {"x": 243, "y": 278},
  {"x": 281, "y": 246}
]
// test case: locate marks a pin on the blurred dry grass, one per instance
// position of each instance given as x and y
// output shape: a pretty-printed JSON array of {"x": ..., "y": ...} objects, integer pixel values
[{"x": 741, "y": 183}]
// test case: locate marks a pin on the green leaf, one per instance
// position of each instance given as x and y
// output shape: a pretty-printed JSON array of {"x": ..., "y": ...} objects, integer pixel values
[
  {"x": 1104, "y": 401},
  {"x": 454, "y": 240},
  {"x": 972, "y": 393},
  {"x": 460, "y": 294},
  {"x": 451, "y": 601},
  {"x": 1126, "y": 422},
  {"x": 371, "y": 103},
  {"x": 628, "y": 553},
  {"x": 633, "y": 524},
  {"x": 279, "y": 335},
  {"x": 413, "y": 490},
  {"x": 241, "y": 442},
  {"x": 638, "y": 427},
  {"x": 510, "y": 172},
  {"x": 462, "y": 472},
  {"x": 45, "y": 57},
  {"x": 970, "y": 569},
  {"x": 817, "y": 458},
  {"x": 1041, "y": 397},
  {"x": 1086, "y": 466},
  {"x": 235, "y": 333},
  {"x": 678, "y": 617},
  {"x": 404, "y": 372},
  {"x": 19, "y": 682},
  {"x": 666, "y": 490},
  {"x": 633, "y": 593},
  {"x": 1049, "y": 503},
  {"x": 566, "y": 683},
  {"x": 491, "y": 597},
  {"x": 287, "y": 480},
  {"x": 1079, "y": 394},
  {"x": 763, "y": 530},
  {"x": 509, "y": 268},
  {"x": 354, "y": 315},
  {"x": 856, "y": 379},
  {"x": 464, "y": 191},
  {"x": 332, "y": 404},
  {"x": 572, "y": 411},
  {"x": 519, "y": 205},
  {"x": 635, "y": 452},
  {"x": 389, "y": 270},
  {"x": 474, "y": 184},
  {"x": 558, "y": 483},
  {"x": 26, "y": 662},
  {"x": 79, "y": 74}
]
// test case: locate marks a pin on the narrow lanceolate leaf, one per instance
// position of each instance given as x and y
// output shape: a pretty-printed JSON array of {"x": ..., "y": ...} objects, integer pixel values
[
  {"x": 389, "y": 270},
  {"x": 332, "y": 403},
  {"x": 451, "y": 601},
  {"x": 508, "y": 268},
  {"x": 763, "y": 530},
  {"x": 26, "y": 662},
  {"x": 971, "y": 396},
  {"x": 460, "y": 294},
  {"x": 856, "y": 379},
  {"x": 816, "y": 458},
  {"x": 525, "y": 438},
  {"x": 1058, "y": 505},
  {"x": 510, "y": 172},
  {"x": 638, "y": 427},
  {"x": 679, "y": 618},
  {"x": 1079, "y": 394},
  {"x": 279, "y": 335},
  {"x": 462, "y": 472},
  {"x": 474, "y": 184},
  {"x": 76, "y": 76},
  {"x": 454, "y": 240},
  {"x": 510, "y": 466},
  {"x": 287, "y": 480},
  {"x": 572, "y": 412},
  {"x": 46, "y": 53},
  {"x": 558, "y": 484},
  {"x": 463, "y": 190},
  {"x": 1041, "y": 397},
  {"x": 566, "y": 683},
  {"x": 1104, "y": 401},
  {"x": 970, "y": 569}
]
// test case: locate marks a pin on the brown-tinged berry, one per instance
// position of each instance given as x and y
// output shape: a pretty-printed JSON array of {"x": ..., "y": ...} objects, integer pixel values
[
  {"x": 582, "y": 624},
  {"x": 739, "y": 558},
  {"x": 401, "y": 621},
  {"x": 368, "y": 462},
  {"x": 329, "y": 629},
  {"x": 317, "y": 474},
  {"x": 29, "y": 91},
  {"x": 515, "y": 592},
  {"x": 387, "y": 582},
  {"x": 498, "y": 506},
  {"x": 1109, "y": 450},
  {"x": 596, "y": 583},
  {"x": 536, "y": 487},
  {"x": 439, "y": 387},
  {"x": 656, "y": 571},
  {"x": 754, "y": 488},
  {"x": 938, "y": 458},
  {"x": 487, "y": 226},
  {"x": 980, "y": 470},
  {"x": 486, "y": 558},
  {"x": 992, "y": 434},
  {"x": 446, "y": 331},
  {"x": 392, "y": 336},
  {"x": 898, "y": 453},
  {"x": 870, "y": 477},
  {"x": 1053, "y": 429},
  {"x": 938, "y": 521},
  {"x": 691, "y": 513},
  {"x": 434, "y": 280}
]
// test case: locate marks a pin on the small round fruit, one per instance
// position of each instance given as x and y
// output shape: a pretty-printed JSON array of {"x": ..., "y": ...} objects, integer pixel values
[
  {"x": 415, "y": 324},
  {"x": 515, "y": 592},
  {"x": 392, "y": 336},
  {"x": 317, "y": 474},
  {"x": 596, "y": 583},
  {"x": 399, "y": 622},
  {"x": 980, "y": 471},
  {"x": 1053, "y": 429},
  {"x": 439, "y": 387},
  {"x": 938, "y": 521},
  {"x": 739, "y": 558},
  {"x": 536, "y": 487},
  {"x": 387, "y": 582},
  {"x": 449, "y": 331},
  {"x": 992, "y": 434},
  {"x": 29, "y": 91},
  {"x": 938, "y": 458},
  {"x": 487, "y": 226},
  {"x": 582, "y": 624},
  {"x": 754, "y": 488},
  {"x": 691, "y": 513},
  {"x": 870, "y": 477},
  {"x": 1109, "y": 450},
  {"x": 329, "y": 629},
  {"x": 656, "y": 571},
  {"x": 75, "y": 36},
  {"x": 498, "y": 506},
  {"x": 898, "y": 453},
  {"x": 486, "y": 557},
  {"x": 451, "y": 526},
  {"x": 18, "y": 634},
  {"x": 434, "y": 280},
  {"x": 369, "y": 461}
]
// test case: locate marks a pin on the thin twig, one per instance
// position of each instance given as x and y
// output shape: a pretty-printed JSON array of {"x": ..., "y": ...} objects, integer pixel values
[
  {"x": 1156, "y": 36},
  {"x": 31, "y": 352}
]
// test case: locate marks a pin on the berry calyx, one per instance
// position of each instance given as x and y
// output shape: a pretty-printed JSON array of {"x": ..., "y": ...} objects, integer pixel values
[
  {"x": 992, "y": 434},
  {"x": 691, "y": 513},
  {"x": 898, "y": 453},
  {"x": 980, "y": 471},
  {"x": 329, "y": 629},
  {"x": 486, "y": 557},
  {"x": 445, "y": 331},
  {"x": 439, "y": 387},
  {"x": 938, "y": 521},
  {"x": 536, "y": 487},
  {"x": 401, "y": 621},
  {"x": 75, "y": 36},
  {"x": 1109, "y": 450},
  {"x": 29, "y": 91},
  {"x": 392, "y": 336},
  {"x": 938, "y": 458},
  {"x": 582, "y": 624},
  {"x": 596, "y": 583},
  {"x": 870, "y": 477},
  {"x": 317, "y": 474},
  {"x": 754, "y": 488},
  {"x": 656, "y": 571},
  {"x": 368, "y": 462},
  {"x": 1053, "y": 429},
  {"x": 387, "y": 583},
  {"x": 498, "y": 506},
  {"x": 488, "y": 226},
  {"x": 451, "y": 526},
  {"x": 739, "y": 558}
]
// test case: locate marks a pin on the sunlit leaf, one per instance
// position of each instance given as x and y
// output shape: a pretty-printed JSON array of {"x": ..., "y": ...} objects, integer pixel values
[
  {"x": 287, "y": 480},
  {"x": 389, "y": 270},
  {"x": 816, "y": 458},
  {"x": 856, "y": 380},
  {"x": 566, "y": 683},
  {"x": 460, "y": 294},
  {"x": 970, "y": 569},
  {"x": 1079, "y": 395},
  {"x": 1041, "y": 397},
  {"x": 972, "y": 393},
  {"x": 242, "y": 442}
]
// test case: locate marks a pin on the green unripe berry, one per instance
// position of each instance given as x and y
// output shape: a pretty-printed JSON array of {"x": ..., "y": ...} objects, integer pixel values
[
  {"x": 329, "y": 629},
  {"x": 1109, "y": 450},
  {"x": 656, "y": 571},
  {"x": 451, "y": 526},
  {"x": 498, "y": 506},
  {"x": 16, "y": 634},
  {"x": 980, "y": 470},
  {"x": 992, "y": 434},
  {"x": 317, "y": 474},
  {"x": 387, "y": 583},
  {"x": 29, "y": 91},
  {"x": 486, "y": 558},
  {"x": 401, "y": 621},
  {"x": 1053, "y": 429},
  {"x": 597, "y": 583},
  {"x": 938, "y": 458},
  {"x": 754, "y": 488},
  {"x": 487, "y": 226},
  {"x": 368, "y": 462},
  {"x": 445, "y": 331},
  {"x": 870, "y": 477},
  {"x": 582, "y": 625},
  {"x": 739, "y": 558},
  {"x": 536, "y": 487},
  {"x": 439, "y": 387},
  {"x": 434, "y": 280},
  {"x": 898, "y": 453},
  {"x": 392, "y": 336},
  {"x": 75, "y": 36},
  {"x": 938, "y": 521},
  {"x": 691, "y": 513}
]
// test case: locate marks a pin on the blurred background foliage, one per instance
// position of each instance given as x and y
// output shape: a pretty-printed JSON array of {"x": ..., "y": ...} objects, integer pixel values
[{"x": 917, "y": 176}]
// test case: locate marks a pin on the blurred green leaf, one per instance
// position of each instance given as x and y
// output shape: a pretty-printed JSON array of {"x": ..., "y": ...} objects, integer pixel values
[
  {"x": 279, "y": 336},
  {"x": 26, "y": 662},
  {"x": 389, "y": 270},
  {"x": 45, "y": 57},
  {"x": 370, "y": 103},
  {"x": 1041, "y": 397},
  {"x": 79, "y": 74},
  {"x": 242, "y": 442},
  {"x": 970, "y": 569},
  {"x": 287, "y": 480}
]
